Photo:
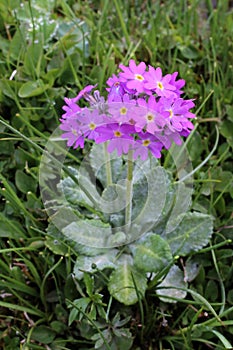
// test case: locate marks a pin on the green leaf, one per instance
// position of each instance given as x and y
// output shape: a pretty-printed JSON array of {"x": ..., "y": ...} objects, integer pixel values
[
  {"x": 117, "y": 322},
  {"x": 77, "y": 312},
  {"x": 224, "y": 130},
  {"x": 225, "y": 342},
  {"x": 119, "y": 238},
  {"x": 58, "y": 326},
  {"x": 107, "y": 334},
  {"x": 211, "y": 291},
  {"x": 49, "y": 30},
  {"x": 56, "y": 234},
  {"x": 192, "y": 234},
  {"x": 74, "y": 36},
  {"x": 43, "y": 334},
  {"x": 121, "y": 283},
  {"x": 191, "y": 270},
  {"x": 195, "y": 147},
  {"x": 73, "y": 192},
  {"x": 25, "y": 182},
  {"x": 51, "y": 75},
  {"x": 56, "y": 246},
  {"x": 123, "y": 339},
  {"x": 16, "y": 48},
  {"x": 63, "y": 215},
  {"x": 70, "y": 65},
  {"x": 7, "y": 148},
  {"x": 190, "y": 52},
  {"x": 92, "y": 264},
  {"x": 34, "y": 61},
  {"x": 93, "y": 233},
  {"x": 10, "y": 88},
  {"x": 225, "y": 179},
  {"x": 113, "y": 199},
  {"x": 230, "y": 297},
  {"x": 181, "y": 203},
  {"x": 151, "y": 212},
  {"x": 32, "y": 310},
  {"x": 151, "y": 253},
  {"x": 89, "y": 283},
  {"x": 89, "y": 250},
  {"x": 32, "y": 88},
  {"x": 174, "y": 278},
  {"x": 17, "y": 274},
  {"x": 229, "y": 110},
  {"x": 10, "y": 228}
]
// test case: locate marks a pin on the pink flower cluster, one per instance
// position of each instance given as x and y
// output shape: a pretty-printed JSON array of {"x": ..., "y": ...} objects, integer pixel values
[{"x": 143, "y": 113}]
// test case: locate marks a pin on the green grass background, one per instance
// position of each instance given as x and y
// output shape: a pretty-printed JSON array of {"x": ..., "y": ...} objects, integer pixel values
[{"x": 52, "y": 49}]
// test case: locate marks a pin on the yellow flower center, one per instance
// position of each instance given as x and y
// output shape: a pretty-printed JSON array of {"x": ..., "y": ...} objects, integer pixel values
[
  {"x": 160, "y": 85},
  {"x": 117, "y": 133},
  {"x": 149, "y": 117},
  {"x": 74, "y": 132},
  {"x": 123, "y": 111},
  {"x": 139, "y": 77},
  {"x": 92, "y": 126},
  {"x": 170, "y": 113},
  {"x": 146, "y": 143}
]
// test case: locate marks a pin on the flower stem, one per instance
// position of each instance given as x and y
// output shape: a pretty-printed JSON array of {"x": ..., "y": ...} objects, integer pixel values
[
  {"x": 129, "y": 188},
  {"x": 108, "y": 165}
]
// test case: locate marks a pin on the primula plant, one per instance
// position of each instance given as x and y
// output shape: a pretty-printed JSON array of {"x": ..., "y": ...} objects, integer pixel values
[{"x": 125, "y": 209}]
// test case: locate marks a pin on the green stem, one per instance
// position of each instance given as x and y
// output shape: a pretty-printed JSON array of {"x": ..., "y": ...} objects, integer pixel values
[
  {"x": 108, "y": 165},
  {"x": 129, "y": 188}
]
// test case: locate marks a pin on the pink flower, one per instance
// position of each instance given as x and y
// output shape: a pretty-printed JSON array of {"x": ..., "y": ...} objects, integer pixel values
[
  {"x": 133, "y": 76},
  {"x": 122, "y": 112},
  {"x": 119, "y": 137},
  {"x": 89, "y": 121},
  {"x": 83, "y": 92},
  {"x": 73, "y": 135},
  {"x": 116, "y": 92},
  {"x": 146, "y": 116},
  {"x": 161, "y": 85},
  {"x": 71, "y": 110},
  {"x": 111, "y": 81},
  {"x": 177, "y": 113},
  {"x": 144, "y": 112},
  {"x": 147, "y": 142},
  {"x": 177, "y": 84}
]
